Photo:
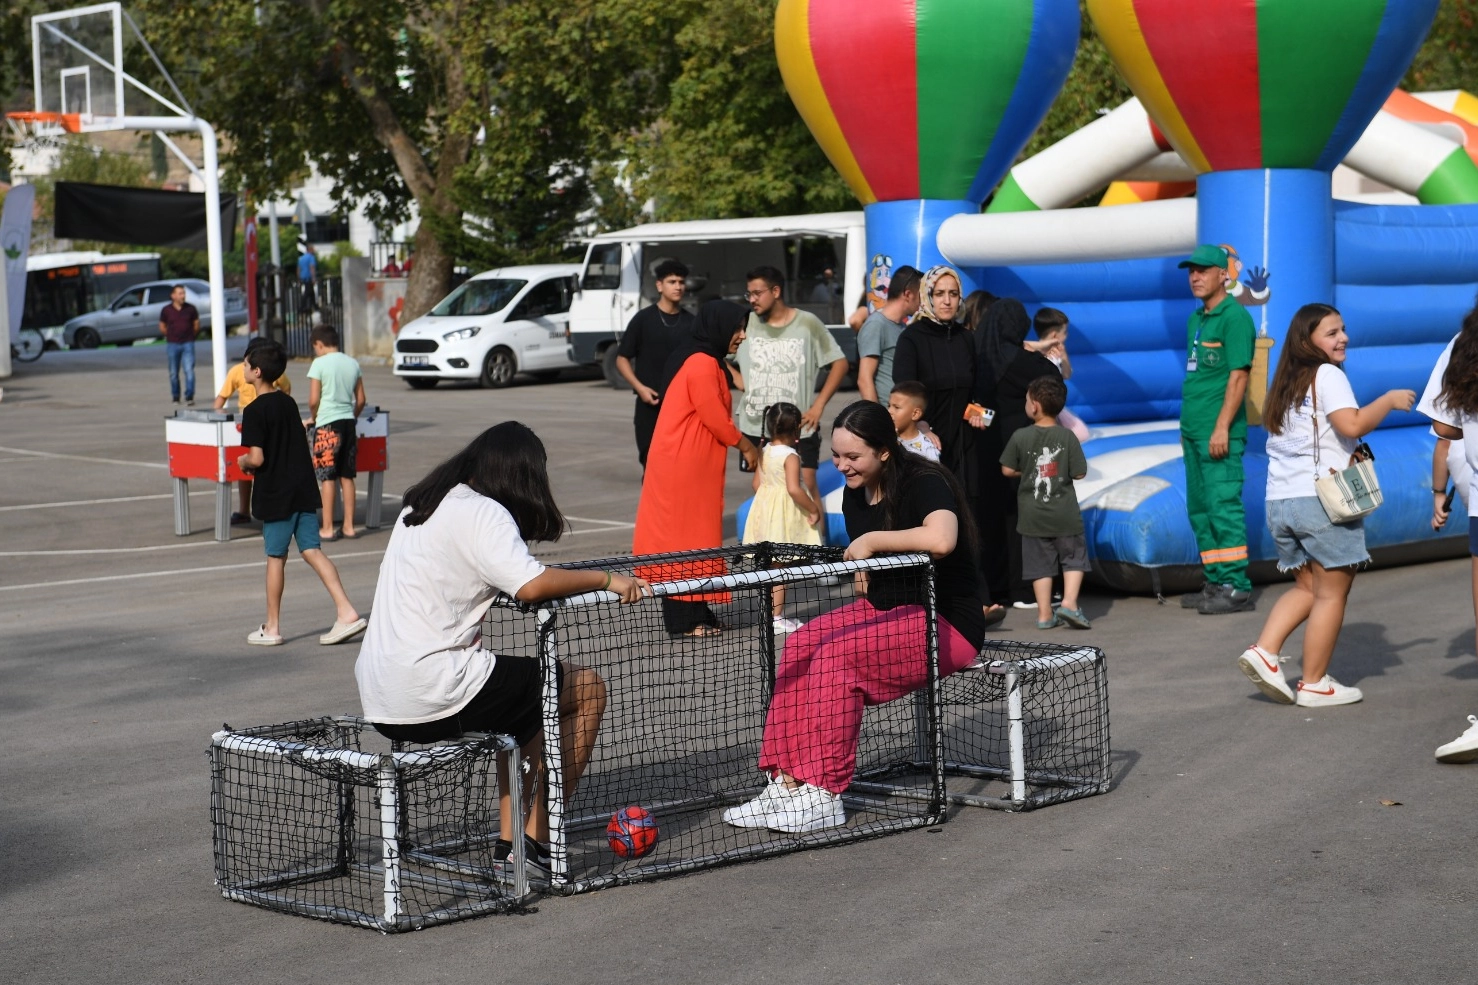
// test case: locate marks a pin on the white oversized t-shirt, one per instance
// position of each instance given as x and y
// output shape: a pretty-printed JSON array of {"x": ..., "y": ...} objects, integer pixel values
[
  {"x": 1291, "y": 460},
  {"x": 418, "y": 662},
  {"x": 1433, "y": 408}
]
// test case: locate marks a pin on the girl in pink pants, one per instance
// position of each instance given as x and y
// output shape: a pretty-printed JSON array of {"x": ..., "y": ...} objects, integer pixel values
[{"x": 873, "y": 650}]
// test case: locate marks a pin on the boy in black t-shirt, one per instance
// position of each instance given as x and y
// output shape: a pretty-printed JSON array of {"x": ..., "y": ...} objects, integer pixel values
[
  {"x": 285, "y": 495},
  {"x": 650, "y": 338},
  {"x": 1047, "y": 515}
]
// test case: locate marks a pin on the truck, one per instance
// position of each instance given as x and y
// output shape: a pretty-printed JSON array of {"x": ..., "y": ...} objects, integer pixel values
[{"x": 616, "y": 278}]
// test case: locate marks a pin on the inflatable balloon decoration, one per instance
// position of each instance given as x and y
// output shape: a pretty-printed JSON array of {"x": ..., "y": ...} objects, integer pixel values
[
  {"x": 1265, "y": 98},
  {"x": 923, "y": 105}
]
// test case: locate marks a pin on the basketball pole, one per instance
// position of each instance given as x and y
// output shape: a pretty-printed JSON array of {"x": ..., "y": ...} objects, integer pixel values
[{"x": 210, "y": 175}]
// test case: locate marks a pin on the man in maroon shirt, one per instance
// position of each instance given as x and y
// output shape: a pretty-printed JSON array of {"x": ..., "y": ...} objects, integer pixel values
[{"x": 179, "y": 323}]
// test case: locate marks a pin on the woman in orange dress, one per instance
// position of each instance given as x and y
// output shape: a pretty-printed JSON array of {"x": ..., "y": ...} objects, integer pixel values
[{"x": 682, "y": 496}]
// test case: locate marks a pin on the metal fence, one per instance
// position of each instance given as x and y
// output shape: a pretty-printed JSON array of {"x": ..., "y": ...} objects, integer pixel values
[{"x": 289, "y": 309}]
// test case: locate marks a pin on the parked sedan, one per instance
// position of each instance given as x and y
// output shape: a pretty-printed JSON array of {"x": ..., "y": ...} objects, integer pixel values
[{"x": 134, "y": 314}]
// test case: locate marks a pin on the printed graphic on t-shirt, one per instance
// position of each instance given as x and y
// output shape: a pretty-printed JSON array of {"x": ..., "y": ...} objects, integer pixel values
[
  {"x": 1046, "y": 474},
  {"x": 776, "y": 368}
]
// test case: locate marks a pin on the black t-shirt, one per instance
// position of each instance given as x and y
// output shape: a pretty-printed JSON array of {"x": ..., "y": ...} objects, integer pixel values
[
  {"x": 284, "y": 485},
  {"x": 956, "y": 585},
  {"x": 650, "y": 338}
]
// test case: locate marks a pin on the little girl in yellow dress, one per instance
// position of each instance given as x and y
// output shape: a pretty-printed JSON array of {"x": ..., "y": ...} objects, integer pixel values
[{"x": 782, "y": 512}]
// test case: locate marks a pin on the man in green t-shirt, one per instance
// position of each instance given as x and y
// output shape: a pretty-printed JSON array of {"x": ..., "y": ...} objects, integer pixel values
[
  {"x": 1213, "y": 433},
  {"x": 782, "y": 354}
]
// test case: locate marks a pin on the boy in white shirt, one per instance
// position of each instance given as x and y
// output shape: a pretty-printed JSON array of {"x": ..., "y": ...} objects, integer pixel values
[{"x": 906, "y": 405}]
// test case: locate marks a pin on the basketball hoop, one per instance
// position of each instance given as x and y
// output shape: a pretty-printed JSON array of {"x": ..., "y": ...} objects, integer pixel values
[{"x": 45, "y": 124}]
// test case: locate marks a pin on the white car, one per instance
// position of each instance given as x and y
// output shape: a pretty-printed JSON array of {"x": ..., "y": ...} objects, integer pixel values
[{"x": 500, "y": 323}]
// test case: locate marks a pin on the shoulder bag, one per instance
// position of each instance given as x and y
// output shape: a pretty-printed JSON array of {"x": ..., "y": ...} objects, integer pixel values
[{"x": 1352, "y": 492}]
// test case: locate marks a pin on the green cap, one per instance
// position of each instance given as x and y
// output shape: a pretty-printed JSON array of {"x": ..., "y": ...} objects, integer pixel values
[{"x": 1206, "y": 255}]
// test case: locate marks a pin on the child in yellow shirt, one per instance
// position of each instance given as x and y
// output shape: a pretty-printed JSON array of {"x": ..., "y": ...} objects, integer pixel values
[{"x": 244, "y": 393}]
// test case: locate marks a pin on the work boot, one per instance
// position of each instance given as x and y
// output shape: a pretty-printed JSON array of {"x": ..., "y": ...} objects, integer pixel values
[
  {"x": 1227, "y": 599},
  {"x": 1193, "y": 600}
]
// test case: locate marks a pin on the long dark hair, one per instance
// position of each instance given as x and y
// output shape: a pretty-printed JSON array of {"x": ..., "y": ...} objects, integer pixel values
[
  {"x": 870, "y": 422},
  {"x": 976, "y": 304},
  {"x": 1297, "y": 366},
  {"x": 505, "y": 463},
  {"x": 1460, "y": 382}
]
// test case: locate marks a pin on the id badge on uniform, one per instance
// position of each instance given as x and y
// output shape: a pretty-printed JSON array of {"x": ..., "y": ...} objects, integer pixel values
[{"x": 1190, "y": 362}]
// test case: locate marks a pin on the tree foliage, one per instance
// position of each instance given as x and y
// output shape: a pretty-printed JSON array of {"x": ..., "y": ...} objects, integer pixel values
[{"x": 1449, "y": 57}]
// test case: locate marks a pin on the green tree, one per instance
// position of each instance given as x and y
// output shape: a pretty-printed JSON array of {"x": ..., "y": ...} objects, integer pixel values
[
  {"x": 730, "y": 142},
  {"x": 485, "y": 110},
  {"x": 1449, "y": 57}
]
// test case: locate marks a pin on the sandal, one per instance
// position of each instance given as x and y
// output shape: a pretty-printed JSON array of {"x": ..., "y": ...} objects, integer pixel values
[
  {"x": 1052, "y": 623},
  {"x": 995, "y": 615},
  {"x": 260, "y": 637},
  {"x": 342, "y": 631},
  {"x": 706, "y": 629}
]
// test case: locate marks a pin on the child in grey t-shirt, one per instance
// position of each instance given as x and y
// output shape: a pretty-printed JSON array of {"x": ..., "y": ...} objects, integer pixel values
[{"x": 1047, "y": 457}]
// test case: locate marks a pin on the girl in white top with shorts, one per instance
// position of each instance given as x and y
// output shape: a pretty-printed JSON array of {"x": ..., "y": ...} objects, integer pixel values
[
  {"x": 1314, "y": 424},
  {"x": 423, "y": 672}
]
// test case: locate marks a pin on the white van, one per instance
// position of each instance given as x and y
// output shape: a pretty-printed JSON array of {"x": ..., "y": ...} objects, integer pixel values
[
  {"x": 616, "y": 279},
  {"x": 500, "y": 323}
]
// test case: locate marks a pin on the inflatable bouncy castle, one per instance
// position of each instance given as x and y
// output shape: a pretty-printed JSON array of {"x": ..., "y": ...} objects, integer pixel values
[{"x": 1243, "y": 111}]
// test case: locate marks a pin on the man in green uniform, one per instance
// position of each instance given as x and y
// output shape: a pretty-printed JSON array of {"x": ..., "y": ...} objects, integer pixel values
[{"x": 1213, "y": 433}]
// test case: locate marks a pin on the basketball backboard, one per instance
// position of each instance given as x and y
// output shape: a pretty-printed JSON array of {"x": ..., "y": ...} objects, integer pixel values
[{"x": 78, "y": 59}]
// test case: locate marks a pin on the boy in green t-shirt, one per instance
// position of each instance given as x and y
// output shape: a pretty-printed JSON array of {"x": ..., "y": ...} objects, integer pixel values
[
  {"x": 1047, "y": 458},
  {"x": 336, "y": 397}
]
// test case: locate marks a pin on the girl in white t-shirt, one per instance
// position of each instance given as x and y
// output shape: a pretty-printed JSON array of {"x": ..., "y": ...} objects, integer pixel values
[
  {"x": 423, "y": 675},
  {"x": 1451, "y": 401},
  {"x": 1314, "y": 424}
]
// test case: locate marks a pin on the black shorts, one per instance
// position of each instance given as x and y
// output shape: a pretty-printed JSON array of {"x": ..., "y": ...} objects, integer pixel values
[
  {"x": 334, "y": 448},
  {"x": 510, "y": 703},
  {"x": 808, "y": 448}
]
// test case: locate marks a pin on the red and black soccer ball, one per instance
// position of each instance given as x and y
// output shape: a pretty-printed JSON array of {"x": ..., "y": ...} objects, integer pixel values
[{"x": 632, "y": 832}]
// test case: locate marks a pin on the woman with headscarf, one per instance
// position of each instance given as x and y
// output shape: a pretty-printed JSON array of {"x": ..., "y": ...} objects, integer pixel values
[
  {"x": 682, "y": 497},
  {"x": 937, "y": 351},
  {"x": 1008, "y": 364}
]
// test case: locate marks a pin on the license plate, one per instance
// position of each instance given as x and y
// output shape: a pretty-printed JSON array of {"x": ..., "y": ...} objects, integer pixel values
[{"x": 415, "y": 360}]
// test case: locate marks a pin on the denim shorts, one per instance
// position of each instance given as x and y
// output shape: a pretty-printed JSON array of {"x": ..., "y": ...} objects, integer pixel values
[
  {"x": 1303, "y": 532},
  {"x": 1473, "y": 535},
  {"x": 277, "y": 535}
]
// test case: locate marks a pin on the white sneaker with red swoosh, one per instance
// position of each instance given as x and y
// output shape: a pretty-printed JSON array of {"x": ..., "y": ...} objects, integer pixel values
[
  {"x": 1317, "y": 694},
  {"x": 1265, "y": 670}
]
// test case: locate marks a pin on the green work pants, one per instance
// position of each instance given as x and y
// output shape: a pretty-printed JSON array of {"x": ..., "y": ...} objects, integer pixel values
[{"x": 1213, "y": 500}]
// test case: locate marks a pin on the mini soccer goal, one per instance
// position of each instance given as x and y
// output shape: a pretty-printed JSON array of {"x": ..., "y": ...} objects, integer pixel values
[
  {"x": 324, "y": 818},
  {"x": 685, "y": 715},
  {"x": 1026, "y": 726}
]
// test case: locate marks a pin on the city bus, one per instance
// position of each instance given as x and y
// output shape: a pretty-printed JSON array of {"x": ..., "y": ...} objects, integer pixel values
[{"x": 60, "y": 286}]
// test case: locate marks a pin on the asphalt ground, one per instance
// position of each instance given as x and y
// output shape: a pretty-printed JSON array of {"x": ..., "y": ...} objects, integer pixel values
[{"x": 1243, "y": 841}]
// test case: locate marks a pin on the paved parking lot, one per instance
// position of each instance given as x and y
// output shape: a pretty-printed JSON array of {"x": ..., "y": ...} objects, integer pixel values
[{"x": 1243, "y": 842}]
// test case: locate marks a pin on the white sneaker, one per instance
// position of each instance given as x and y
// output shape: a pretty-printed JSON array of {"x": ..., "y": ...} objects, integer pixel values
[
  {"x": 808, "y": 809},
  {"x": 1264, "y": 670},
  {"x": 782, "y": 626},
  {"x": 1023, "y": 605},
  {"x": 759, "y": 812},
  {"x": 1463, "y": 749},
  {"x": 1329, "y": 691}
]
